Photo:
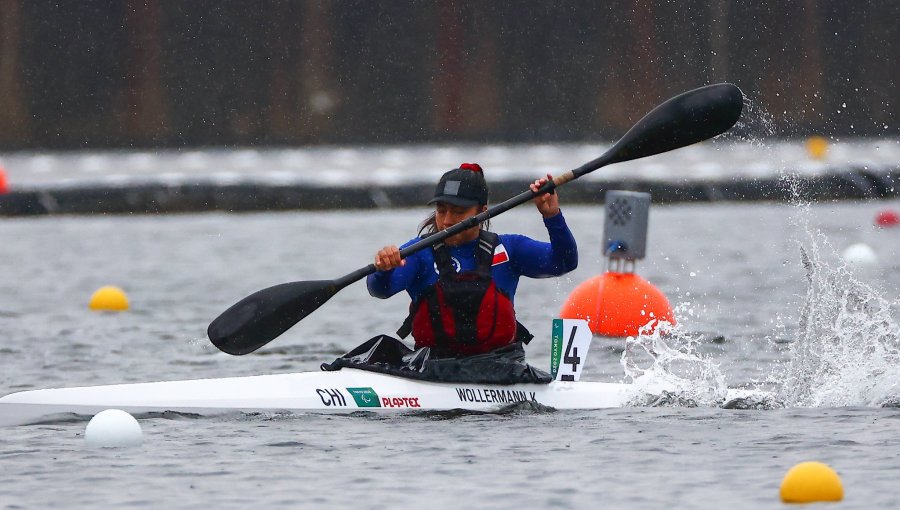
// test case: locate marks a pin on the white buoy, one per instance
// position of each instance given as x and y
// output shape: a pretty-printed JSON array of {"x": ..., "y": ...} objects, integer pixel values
[
  {"x": 113, "y": 428},
  {"x": 860, "y": 255}
]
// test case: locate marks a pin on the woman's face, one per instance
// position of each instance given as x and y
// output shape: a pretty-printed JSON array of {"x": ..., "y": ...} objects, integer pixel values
[{"x": 447, "y": 215}]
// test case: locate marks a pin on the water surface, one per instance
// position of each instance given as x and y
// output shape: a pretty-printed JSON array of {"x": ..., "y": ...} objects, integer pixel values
[{"x": 733, "y": 271}]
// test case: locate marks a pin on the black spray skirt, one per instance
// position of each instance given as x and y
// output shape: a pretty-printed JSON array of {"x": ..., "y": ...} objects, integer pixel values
[{"x": 387, "y": 355}]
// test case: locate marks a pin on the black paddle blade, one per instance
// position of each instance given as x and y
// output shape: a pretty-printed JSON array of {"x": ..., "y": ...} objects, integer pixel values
[
  {"x": 264, "y": 315},
  {"x": 692, "y": 117}
]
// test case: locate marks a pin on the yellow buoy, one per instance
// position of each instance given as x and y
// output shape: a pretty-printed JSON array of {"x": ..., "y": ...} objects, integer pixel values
[
  {"x": 809, "y": 482},
  {"x": 109, "y": 298},
  {"x": 817, "y": 147}
]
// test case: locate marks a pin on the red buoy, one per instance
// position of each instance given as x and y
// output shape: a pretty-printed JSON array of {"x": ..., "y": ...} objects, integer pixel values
[
  {"x": 4, "y": 185},
  {"x": 617, "y": 304},
  {"x": 887, "y": 218}
]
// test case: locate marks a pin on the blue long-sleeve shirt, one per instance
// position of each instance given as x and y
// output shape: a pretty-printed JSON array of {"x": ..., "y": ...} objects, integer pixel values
[{"x": 523, "y": 257}]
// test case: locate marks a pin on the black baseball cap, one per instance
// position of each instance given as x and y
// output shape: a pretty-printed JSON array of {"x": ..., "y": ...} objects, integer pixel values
[{"x": 464, "y": 186}]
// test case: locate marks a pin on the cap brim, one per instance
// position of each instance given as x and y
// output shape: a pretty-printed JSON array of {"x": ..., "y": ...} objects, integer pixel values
[{"x": 450, "y": 199}]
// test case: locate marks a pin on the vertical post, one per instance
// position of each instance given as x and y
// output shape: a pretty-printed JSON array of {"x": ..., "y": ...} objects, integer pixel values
[
  {"x": 14, "y": 125},
  {"x": 718, "y": 39},
  {"x": 147, "y": 114},
  {"x": 316, "y": 82},
  {"x": 449, "y": 76}
]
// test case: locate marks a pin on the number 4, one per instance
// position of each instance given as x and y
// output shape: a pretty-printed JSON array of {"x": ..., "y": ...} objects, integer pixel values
[{"x": 571, "y": 356}]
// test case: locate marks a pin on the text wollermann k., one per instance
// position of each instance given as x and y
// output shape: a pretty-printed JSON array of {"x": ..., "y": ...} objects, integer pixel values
[{"x": 495, "y": 396}]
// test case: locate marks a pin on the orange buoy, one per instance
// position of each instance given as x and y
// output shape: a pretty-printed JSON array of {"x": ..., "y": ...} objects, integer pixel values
[
  {"x": 887, "y": 218},
  {"x": 617, "y": 304},
  {"x": 4, "y": 185}
]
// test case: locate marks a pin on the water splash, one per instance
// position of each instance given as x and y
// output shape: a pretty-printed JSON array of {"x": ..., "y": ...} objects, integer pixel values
[
  {"x": 667, "y": 368},
  {"x": 846, "y": 350},
  {"x": 754, "y": 126}
]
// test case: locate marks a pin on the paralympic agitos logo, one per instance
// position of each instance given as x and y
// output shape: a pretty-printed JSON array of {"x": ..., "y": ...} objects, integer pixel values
[{"x": 365, "y": 397}]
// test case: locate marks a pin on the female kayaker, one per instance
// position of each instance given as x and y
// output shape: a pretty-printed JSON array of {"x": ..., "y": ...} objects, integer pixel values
[{"x": 462, "y": 289}]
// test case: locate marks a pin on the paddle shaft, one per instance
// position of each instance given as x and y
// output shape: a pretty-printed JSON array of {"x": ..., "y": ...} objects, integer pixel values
[{"x": 479, "y": 218}]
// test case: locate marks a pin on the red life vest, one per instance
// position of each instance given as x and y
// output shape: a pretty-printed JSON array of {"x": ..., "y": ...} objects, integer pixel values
[{"x": 464, "y": 313}]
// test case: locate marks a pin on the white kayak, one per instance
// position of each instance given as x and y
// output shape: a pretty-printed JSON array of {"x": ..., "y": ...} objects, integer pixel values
[
  {"x": 342, "y": 391},
  {"x": 345, "y": 391}
]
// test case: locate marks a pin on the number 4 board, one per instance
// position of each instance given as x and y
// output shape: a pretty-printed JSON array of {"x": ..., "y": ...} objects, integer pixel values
[{"x": 568, "y": 350}]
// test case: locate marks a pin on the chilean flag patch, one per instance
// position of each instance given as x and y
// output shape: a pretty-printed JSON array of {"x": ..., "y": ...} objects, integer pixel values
[{"x": 500, "y": 255}]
